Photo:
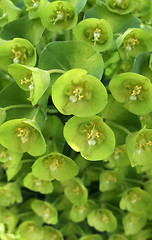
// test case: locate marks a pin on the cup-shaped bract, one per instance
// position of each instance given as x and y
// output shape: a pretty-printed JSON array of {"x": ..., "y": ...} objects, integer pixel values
[
  {"x": 79, "y": 213},
  {"x": 35, "y": 7},
  {"x": 135, "y": 200},
  {"x": 91, "y": 237},
  {"x": 121, "y": 6},
  {"x": 117, "y": 237},
  {"x": 58, "y": 16},
  {"x": 9, "y": 194},
  {"x": 133, "y": 222},
  {"x": 78, "y": 93},
  {"x": 102, "y": 220},
  {"x": 55, "y": 166},
  {"x": 37, "y": 185},
  {"x": 139, "y": 147},
  {"x": 134, "y": 41},
  {"x": 119, "y": 158},
  {"x": 76, "y": 192},
  {"x": 45, "y": 210},
  {"x": 8, "y": 12},
  {"x": 96, "y": 32},
  {"x": 52, "y": 233},
  {"x": 134, "y": 91},
  {"x": 34, "y": 80},
  {"x": 18, "y": 50},
  {"x": 30, "y": 230},
  {"x": 142, "y": 8},
  {"x": 90, "y": 136},
  {"x": 110, "y": 179},
  {"x": 8, "y": 218},
  {"x": 24, "y": 135}
]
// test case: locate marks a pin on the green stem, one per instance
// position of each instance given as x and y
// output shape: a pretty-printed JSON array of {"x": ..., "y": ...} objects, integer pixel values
[
  {"x": 118, "y": 126},
  {"x": 49, "y": 110},
  {"x": 115, "y": 208},
  {"x": 24, "y": 214},
  {"x": 17, "y": 106},
  {"x": 56, "y": 71},
  {"x": 134, "y": 181},
  {"x": 28, "y": 160},
  {"x": 35, "y": 115}
]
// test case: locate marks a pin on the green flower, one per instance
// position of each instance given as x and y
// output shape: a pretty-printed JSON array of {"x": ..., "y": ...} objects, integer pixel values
[
  {"x": 52, "y": 233},
  {"x": 24, "y": 136},
  {"x": 58, "y": 16},
  {"x": 91, "y": 136},
  {"x": 139, "y": 147},
  {"x": 46, "y": 211},
  {"x": 134, "y": 91},
  {"x": 102, "y": 220},
  {"x": 121, "y": 6},
  {"x": 78, "y": 93},
  {"x": 17, "y": 50},
  {"x": 55, "y": 166},
  {"x": 134, "y": 41},
  {"x": 117, "y": 237},
  {"x": 96, "y": 32},
  {"x": 37, "y": 185},
  {"x": 92, "y": 237},
  {"x": 9, "y": 194},
  {"x": 34, "y": 80},
  {"x": 133, "y": 222},
  {"x": 35, "y": 8},
  {"x": 30, "y": 230}
]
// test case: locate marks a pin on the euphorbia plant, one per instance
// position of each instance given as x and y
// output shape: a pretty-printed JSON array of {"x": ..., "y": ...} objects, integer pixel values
[{"x": 75, "y": 119}]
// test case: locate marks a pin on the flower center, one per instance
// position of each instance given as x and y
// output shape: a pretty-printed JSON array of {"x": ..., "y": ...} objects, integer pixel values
[
  {"x": 78, "y": 91},
  {"x": 5, "y": 155},
  {"x": 117, "y": 153},
  {"x": 120, "y": 4},
  {"x": 143, "y": 142},
  {"x": 33, "y": 5},
  {"x": 53, "y": 162},
  {"x": 19, "y": 54},
  {"x": 25, "y": 133},
  {"x": 28, "y": 80},
  {"x": 129, "y": 43},
  {"x": 93, "y": 132},
  {"x": 61, "y": 14},
  {"x": 136, "y": 91},
  {"x": 96, "y": 34}
]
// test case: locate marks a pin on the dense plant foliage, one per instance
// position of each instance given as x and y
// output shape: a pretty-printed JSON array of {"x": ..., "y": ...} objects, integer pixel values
[{"x": 75, "y": 120}]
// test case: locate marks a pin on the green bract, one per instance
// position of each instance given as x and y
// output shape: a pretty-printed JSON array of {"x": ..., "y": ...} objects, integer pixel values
[
  {"x": 110, "y": 179},
  {"x": 24, "y": 136},
  {"x": 117, "y": 237},
  {"x": 45, "y": 210},
  {"x": 9, "y": 194},
  {"x": 136, "y": 200},
  {"x": 139, "y": 146},
  {"x": 59, "y": 16},
  {"x": 30, "y": 230},
  {"x": 134, "y": 91},
  {"x": 91, "y": 136},
  {"x": 35, "y": 7},
  {"x": 96, "y": 32},
  {"x": 51, "y": 233},
  {"x": 92, "y": 237},
  {"x": 34, "y": 80},
  {"x": 102, "y": 220},
  {"x": 121, "y": 6},
  {"x": 78, "y": 93},
  {"x": 133, "y": 222},
  {"x": 134, "y": 41},
  {"x": 38, "y": 185},
  {"x": 55, "y": 166},
  {"x": 8, "y": 12},
  {"x": 76, "y": 192},
  {"x": 17, "y": 50}
]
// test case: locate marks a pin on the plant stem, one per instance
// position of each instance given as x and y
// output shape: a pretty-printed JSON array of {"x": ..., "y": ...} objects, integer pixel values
[
  {"x": 134, "y": 181},
  {"x": 27, "y": 160},
  {"x": 56, "y": 71},
  {"x": 49, "y": 110},
  {"x": 17, "y": 106},
  {"x": 118, "y": 126}
]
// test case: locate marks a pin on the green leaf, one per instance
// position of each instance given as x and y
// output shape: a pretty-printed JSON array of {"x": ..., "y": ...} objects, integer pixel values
[
  {"x": 37, "y": 185},
  {"x": 45, "y": 210},
  {"x": 78, "y": 4},
  {"x": 78, "y": 93},
  {"x": 91, "y": 136},
  {"x": 23, "y": 28},
  {"x": 72, "y": 54},
  {"x": 55, "y": 166},
  {"x": 102, "y": 220}
]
